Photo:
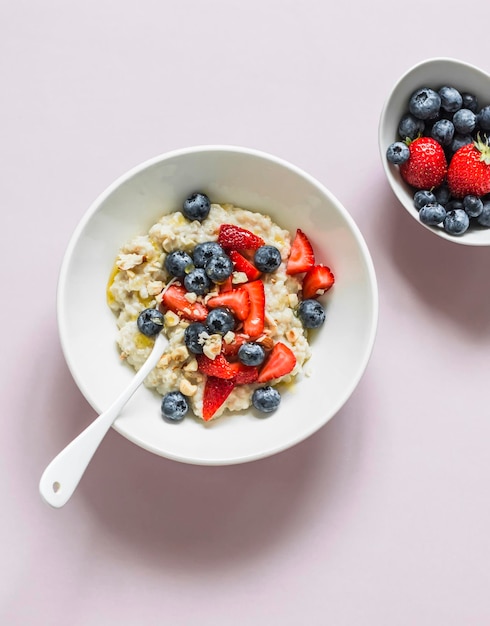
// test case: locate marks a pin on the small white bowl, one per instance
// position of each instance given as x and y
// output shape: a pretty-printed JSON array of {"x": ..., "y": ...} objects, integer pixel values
[
  {"x": 249, "y": 179},
  {"x": 433, "y": 73}
]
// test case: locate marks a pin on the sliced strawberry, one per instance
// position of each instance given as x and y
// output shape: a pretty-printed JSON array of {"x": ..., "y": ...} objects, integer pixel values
[
  {"x": 243, "y": 265},
  {"x": 231, "y": 349},
  {"x": 216, "y": 390},
  {"x": 227, "y": 285},
  {"x": 317, "y": 281},
  {"x": 253, "y": 324},
  {"x": 244, "y": 373},
  {"x": 301, "y": 257},
  {"x": 174, "y": 299},
  {"x": 237, "y": 300},
  {"x": 219, "y": 366},
  {"x": 280, "y": 362},
  {"x": 233, "y": 237}
]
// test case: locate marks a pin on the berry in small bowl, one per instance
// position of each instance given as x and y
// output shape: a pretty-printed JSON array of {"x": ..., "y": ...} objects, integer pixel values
[{"x": 440, "y": 110}]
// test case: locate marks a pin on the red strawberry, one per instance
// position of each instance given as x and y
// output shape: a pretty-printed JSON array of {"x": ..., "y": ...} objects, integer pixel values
[
  {"x": 243, "y": 265},
  {"x": 469, "y": 170},
  {"x": 244, "y": 373},
  {"x": 426, "y": 166},
  {"x": 218, "y": 366},
  {"x": 302, "y": 256},
  {"x": 237, "y": 300},
  {"x": 317, "y": 281},
  {"x": 233, "y": 237},
  {"x": 216, "y": 390},
  {"x": 231, "y": 349},
  {"x": 174, "y": 299},
  {"x": 253, "y": 325},
  {"x": 280, "y": 362},
  {"x": 227, "y": 285}
]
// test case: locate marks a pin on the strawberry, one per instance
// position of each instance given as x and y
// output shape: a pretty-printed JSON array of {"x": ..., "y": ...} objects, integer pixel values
[
  {"x": 233, "y": 237},
  {"x": 231, "y": 349},
  {"x": 426, "y": 166},
  {"x": 317, "y": 281},
  {"x": 218, "y": 367},
  {"x": 281, "y": 361},
  {"x": 237, "y": 300},
  {"x": 253, "y": 324},
  {"x": 469, "y": 170},
  {"x": 301, "y": 257},
  {"x": 174, "y": 299},
  {"x": 243, "y": 265},
  {"x": 244, "y": 373},
  {"x": 227, "y": 285},
  {"x": 216, "y": 390}
]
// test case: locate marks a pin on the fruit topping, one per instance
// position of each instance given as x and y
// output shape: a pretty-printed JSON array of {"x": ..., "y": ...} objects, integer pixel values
[
  {"x": 317, "y": 281},
  {"x": 216, "y": 391},
  {"x": 194, "y": 337},
  {"x": 244, "y": 374},
  {"x": 237, "y": 300},
  {"x": 219, "y": 366},
  {"x": 197, "y": 281},
  {"x": 427, "y": 164},
  {"x": 469, "y": 170},
  {"x": 205, "y": 251},
  {"x": 267, "y": 259},
  {"x": 233, "y": 237},
  {"x": 196, "y": 207},
  {"x": 219, "y": 268},
  {"x": 174, "y": 406},
  {"x": 281, "y": 361},
  {"x": 253, "y": 324},
  {"x": 301, "y": 257},
  {"x": 220, "y": 321},
  {"x": 266, "y": 399},
  {"x": 311, "y": 313},
  {"x": 243, "y": 265},
  {"x": 150, "y": 322},
  {"x": 178, "y": 263},
  {"x": 173, "y": 298},
  {"x": 251, "y": 353}
]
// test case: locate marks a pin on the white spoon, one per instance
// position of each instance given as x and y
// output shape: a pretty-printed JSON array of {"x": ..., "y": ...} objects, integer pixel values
[{"x": 61, "y": 477}]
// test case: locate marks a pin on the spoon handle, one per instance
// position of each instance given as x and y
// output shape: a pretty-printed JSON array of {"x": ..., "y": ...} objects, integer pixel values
[{"x": 62, "y": 475}]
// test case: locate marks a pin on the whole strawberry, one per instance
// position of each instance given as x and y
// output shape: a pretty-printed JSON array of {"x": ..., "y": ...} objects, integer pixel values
[
  {"x": 427, "y": 166},
  {"x": 469, "y": 170}
]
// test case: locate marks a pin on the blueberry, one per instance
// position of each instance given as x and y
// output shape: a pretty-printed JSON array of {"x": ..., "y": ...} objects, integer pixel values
[
  {"x": 410, "y": 127},
  {"x": 150, "y": 322},
  {"x": 484, "y": 218},
  {"x": 311, "y": 313},
  {"x": 473, "y": 205},
  {"x": 432, "y": 214},
  {"x": 483, "y": 118},
  {"x": 174, "y": 406},
  {"x": 443, "y": 132},
  {"x": 266, "y": 399},
  {"x": 470, "y": 102},
  {"x": 456, "y": 222},
  {"x": 459, "y": 141},
  {"x": 219, "y": 268},
  {"x": 464, "y": 121},
  {"x": 197, "y": 281},
  {"x": 267, "y": 259},
  {"x": 423, "y": 197},
  {"x": 451, "y": 99},
  {"x": 442, "y": 194},
  {"x": 197, "y": 207},
  {"x": 251, "y": 353},
  {"x": 178, "y": 263},
  {"x": 453, "y": 204},
  {"x": 398, "y": 153},
  {"x": 194, "y": 336},
  {"x": 220, "y": 320},
  {"x": 204, "y": 252},
  {"x": 425, "y": 103}
]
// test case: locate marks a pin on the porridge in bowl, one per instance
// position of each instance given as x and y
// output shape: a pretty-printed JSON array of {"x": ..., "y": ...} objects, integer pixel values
[{"x": 237, "y": 297}]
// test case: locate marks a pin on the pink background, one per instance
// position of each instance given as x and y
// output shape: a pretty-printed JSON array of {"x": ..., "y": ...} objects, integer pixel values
[{"x": 383, "y": 517}]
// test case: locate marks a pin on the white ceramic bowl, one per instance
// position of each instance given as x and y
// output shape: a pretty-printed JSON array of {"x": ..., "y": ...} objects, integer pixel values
[
  {"x": 252, "y": 180},
  {"x": 433, "y": 73}
]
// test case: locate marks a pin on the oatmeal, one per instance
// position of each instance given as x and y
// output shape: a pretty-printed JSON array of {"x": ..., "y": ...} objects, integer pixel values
[{"x": 228, "y": 295}]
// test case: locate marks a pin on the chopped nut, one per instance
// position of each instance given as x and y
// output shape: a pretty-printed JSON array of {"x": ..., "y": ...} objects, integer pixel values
[
  {"x": 154, "y": 287},
  {"x": 171, "y": 319},
  {"x": 229, "y": 337},
  {"x": 190, "y": 296},
  {"x": 180, "y": 354},
  {"x": 164, "y": 361},
  {"x": 187, "y": 388},
  {"x": 293, "y": 300},
  {"x": 128, "y": 261},
  {"x": 266, "y": 342},
  {"x": 292, "y": 335},
  {"x": 212, "y": 346},
  {"x": 191, "y": 366},
  {"x": 239, "y": 277}
]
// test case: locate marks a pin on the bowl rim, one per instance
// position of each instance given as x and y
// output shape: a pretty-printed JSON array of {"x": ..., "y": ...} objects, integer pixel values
[
  {"x": 382, "y": 149},
  {"x": 354, "y": 229}
]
